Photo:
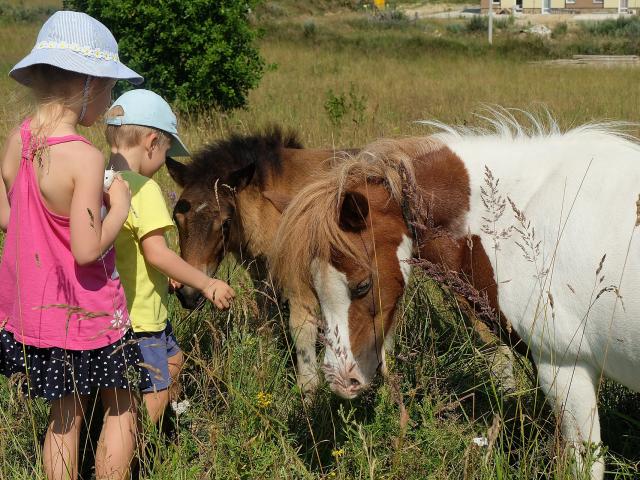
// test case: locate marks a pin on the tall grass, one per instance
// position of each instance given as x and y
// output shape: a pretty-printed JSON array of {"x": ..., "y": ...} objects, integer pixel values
[{"x": 247, "y": 419}]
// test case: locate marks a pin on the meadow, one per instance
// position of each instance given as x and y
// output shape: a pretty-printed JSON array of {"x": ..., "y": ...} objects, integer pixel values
[{"x": 341, "y": 77}]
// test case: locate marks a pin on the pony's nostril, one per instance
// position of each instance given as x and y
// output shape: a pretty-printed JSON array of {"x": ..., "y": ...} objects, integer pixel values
[{"x": 354, "y": 383}]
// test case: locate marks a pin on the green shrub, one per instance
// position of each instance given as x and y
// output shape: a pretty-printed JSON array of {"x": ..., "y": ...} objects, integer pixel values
[
  {"x": 197, "y": 54},
  {"x": 477, "y": 23},
  {"x": 309, "y": 28},
  {"x": 559, "y": 30},
  {"x": 480, "y": 23},
  {"x": 337, "y": 106},
  {"x": 455, "y": 28},
  {"x": 619, "y": 27},
  {"x": 25, "y": 13}
]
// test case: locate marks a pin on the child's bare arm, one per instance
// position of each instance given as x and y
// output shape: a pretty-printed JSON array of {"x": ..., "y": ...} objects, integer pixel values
[
  {"x": 9, "y": 164},
  {"x": 161, "y": 257},
  {"x": 91, "y": 237}
]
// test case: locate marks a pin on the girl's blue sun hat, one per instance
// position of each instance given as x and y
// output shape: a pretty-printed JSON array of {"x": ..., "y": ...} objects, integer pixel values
[{"x": 76, "y": 42}]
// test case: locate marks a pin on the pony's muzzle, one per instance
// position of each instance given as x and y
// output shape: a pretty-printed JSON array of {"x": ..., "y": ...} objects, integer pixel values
[
  {"x": 189, "y": 297},
  {"x": 344, "y": 383}
]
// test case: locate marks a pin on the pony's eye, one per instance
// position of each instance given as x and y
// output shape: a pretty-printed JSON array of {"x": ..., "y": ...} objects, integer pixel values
[
  {"x": 226, "y": 225},
  {"x": 361, "y": 289}
]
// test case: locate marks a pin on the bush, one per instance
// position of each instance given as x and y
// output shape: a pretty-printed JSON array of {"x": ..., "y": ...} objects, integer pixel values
[
  {"x": 25, "y": 13},
  {"x": 480, "y": 23},
  {"x": 337, "y": 106},
  {"x": 559, "y": 30},
  {"x": 309, "y": 29},
  {"x": 619, "y": 27},
  {"x": 197, "y": 54},
  {"x": 477, "y": 23}
]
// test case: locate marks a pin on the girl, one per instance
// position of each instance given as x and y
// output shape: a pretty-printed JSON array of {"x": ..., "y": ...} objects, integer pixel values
[{"x": 63, "y": 316}]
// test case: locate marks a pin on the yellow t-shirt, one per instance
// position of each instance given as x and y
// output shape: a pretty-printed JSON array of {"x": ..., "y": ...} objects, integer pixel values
[{"x": 145, "y": 287}]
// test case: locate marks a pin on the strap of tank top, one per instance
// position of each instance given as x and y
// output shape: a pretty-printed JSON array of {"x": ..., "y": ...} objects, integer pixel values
[
  {"x": 25, "y": 136},
  {"x": 67, "y": 138}
]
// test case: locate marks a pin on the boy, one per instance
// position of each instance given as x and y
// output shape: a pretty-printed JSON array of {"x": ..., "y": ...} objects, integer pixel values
[{"x": 141, "y": 131}]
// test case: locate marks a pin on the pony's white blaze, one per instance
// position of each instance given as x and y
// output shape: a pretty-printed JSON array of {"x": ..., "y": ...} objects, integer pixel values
[
  {"x": 578, "y": 316},
  {"x": 404, "y": 253},
  {"x": 339, "y": 364}
]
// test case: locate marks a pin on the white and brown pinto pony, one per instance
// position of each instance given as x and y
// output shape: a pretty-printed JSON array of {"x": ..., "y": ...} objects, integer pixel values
[{"x": 542, "y": 223}]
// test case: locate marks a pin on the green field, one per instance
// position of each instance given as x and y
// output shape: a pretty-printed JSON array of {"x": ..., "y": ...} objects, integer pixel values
[{"x": 342, "y": 77}]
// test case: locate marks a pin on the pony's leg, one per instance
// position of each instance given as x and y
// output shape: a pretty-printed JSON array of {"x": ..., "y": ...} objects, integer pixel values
[
  {"x": 500, "y": 356},
  {"x": 501, "y": 367},
  {"x": 572, "y": 391},
  {"x": 304, "y": 330}
]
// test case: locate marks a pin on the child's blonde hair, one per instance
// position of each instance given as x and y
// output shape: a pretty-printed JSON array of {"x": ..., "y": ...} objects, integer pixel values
[
  {"x": 55, "y": 89},
  {"x": 127, "y": 136}
]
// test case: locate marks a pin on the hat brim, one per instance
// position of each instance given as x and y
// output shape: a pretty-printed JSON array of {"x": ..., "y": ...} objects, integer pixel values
[
  {"x": 73, "y": 62},
  {"x": 177, "y": 148}
]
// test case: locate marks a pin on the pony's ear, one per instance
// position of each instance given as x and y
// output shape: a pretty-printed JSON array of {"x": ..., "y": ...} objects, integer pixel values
[
  {"x": 278, "y": 199},
  {"x": 177, "y": 170},
  {"x": 240, "y": 178},
  {"x": 354, "y": 212}
]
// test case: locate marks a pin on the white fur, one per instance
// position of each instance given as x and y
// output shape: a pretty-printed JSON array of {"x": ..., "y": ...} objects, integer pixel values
[
  {"x": 333, "y": 294},
  {"x": 579, "y": 190},
  {"x": 405, "y": 253}
]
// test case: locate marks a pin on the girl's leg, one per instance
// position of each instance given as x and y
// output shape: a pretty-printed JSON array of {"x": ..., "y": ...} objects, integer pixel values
[
  {"x": 117, "y": 442},
  {"x": 156, "y": 402},
  {"x": 61, "y": 442}
]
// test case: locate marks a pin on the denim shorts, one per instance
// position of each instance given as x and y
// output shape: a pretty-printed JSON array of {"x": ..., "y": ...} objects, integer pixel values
[{"x": 157, "y": 348}]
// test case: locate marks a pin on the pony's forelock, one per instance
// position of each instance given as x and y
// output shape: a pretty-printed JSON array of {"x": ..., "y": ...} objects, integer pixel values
[{"x": 309, "y": 229}]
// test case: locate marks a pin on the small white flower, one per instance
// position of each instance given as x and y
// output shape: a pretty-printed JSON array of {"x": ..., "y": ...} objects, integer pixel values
[
  {"x": 481, "y": 441},
  {"x": 180, "y": 407}
]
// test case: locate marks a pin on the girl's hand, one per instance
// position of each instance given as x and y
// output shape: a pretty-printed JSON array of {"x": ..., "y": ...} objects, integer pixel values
[
  {"x": 219, "y": 293},
  {"x": 118, "y": 196}
]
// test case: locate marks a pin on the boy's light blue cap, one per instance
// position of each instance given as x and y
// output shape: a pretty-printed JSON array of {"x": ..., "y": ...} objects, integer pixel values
[
  {"x": 76, "y": 42},
  {"x": 147, "y": 108}
]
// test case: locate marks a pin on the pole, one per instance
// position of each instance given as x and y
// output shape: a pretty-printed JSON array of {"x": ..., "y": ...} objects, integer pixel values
[{"x": 490, "y": 22}]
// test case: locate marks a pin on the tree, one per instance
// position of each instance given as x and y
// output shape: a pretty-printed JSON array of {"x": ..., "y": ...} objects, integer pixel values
[{"x": 198, "y": 54}]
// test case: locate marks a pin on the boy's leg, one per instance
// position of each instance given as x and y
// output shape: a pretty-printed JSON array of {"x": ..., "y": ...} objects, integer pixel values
[
  {"x": 61, "y": 442},
  {"x": 118, "y": 438},
  {"x": 175, "y": 367},
  {"x": 161, "y": 352},
  {"x": 156, "y": 402}
]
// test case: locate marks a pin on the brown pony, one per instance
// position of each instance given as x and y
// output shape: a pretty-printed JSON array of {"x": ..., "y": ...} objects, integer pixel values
[{"x": 233, "y": 193}]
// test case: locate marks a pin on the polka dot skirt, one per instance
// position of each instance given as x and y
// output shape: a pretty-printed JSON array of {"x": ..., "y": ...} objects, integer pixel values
[{"x": 55, "y": 372}]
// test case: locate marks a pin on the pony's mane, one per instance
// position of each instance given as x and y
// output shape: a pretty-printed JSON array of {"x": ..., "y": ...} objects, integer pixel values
[
  {"x": 309, "y": 229},
  {"x": 220, "y": 158},
  {"x": 504, "y": 123}
]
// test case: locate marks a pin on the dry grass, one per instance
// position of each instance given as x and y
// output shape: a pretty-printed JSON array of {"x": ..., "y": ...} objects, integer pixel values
[{"x": 247, "y": 419}]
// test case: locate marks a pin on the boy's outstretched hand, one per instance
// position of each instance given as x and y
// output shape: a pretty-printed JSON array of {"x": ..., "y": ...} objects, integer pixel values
[{"x": 219, "y": 293}]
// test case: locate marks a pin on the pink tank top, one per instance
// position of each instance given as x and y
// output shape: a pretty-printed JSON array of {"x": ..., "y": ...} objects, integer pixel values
[{"x": 46, "y": 298}]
